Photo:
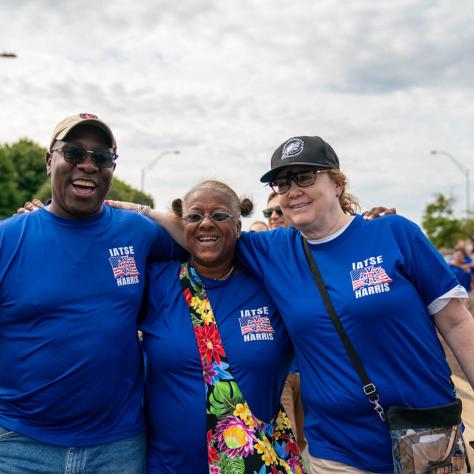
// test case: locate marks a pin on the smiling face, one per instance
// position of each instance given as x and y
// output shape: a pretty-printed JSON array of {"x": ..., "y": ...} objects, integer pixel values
[
  {"x": 211, "y": 244},
  {"x": 79, "y": 190},
  {"x": 314, "y": 207}
]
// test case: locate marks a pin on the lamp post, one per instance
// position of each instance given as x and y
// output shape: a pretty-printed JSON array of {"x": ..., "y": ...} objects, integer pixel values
[
  {"x": 153, "y": 163},
  {"x": 464, "y": 170}
]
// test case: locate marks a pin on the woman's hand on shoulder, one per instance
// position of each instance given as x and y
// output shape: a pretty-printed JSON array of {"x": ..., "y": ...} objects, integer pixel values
[
  {"x": 379, "y": 211},
  {"x": 129, "y": 206},
  {"x": 29, "y": 206}
]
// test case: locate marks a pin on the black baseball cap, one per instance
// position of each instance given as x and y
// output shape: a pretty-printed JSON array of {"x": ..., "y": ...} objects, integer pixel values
[{"x": 312, "y": 151}]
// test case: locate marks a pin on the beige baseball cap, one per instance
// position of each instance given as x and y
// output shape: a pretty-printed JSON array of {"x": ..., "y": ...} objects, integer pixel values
[{"x": 66, "y": 125}]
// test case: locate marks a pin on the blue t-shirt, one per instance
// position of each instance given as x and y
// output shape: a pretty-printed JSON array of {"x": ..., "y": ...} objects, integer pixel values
[
  {"x": 381, "y": 275},
  {"x": 175, "y": 400},
  {"x": 70, "y": 292}
]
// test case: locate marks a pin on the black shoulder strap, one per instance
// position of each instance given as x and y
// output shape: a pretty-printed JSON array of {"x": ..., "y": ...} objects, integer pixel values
[{"x": 369, "y": 388}]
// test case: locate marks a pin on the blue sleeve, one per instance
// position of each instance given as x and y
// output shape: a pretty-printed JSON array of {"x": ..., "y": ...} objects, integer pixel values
[
  {"x": 253, "y": 249},
  {"x": 165, "y": 248},
  {"x": 425, "y": 267},
  {"x": 259, "y": 252}
]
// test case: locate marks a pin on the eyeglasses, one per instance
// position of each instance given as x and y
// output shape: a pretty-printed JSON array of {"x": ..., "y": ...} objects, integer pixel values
[
  {"x": 303, "y": 180},
  {"x": 268, "y": 212},
  {"x": 76, "y": 155},
  {"x": 195, "y": 217}
]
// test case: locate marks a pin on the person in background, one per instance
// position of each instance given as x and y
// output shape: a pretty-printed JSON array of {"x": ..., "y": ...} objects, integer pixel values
[
  {"x": 258, "y": 226},
  {"x": 273, "y": 212},
  {"x": 460, "y": 266},
  {"x": 71, "y": 285},
  {"x": 469, "y": 260}
]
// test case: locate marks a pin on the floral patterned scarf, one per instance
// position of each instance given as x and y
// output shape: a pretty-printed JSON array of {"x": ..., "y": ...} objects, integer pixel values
[{"x": 237, "y": 441}]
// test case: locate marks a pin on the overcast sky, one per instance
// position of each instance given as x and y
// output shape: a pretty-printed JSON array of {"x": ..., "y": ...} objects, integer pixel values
[{"x": 225, "y": 82}]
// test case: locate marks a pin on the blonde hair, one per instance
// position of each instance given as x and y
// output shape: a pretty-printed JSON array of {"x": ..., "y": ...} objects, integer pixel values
[
  {"x": 241, "y": 206},
  {"x": 349, "y": 203}
]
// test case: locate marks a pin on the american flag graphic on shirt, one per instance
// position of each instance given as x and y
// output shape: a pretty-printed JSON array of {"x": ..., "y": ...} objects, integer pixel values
[
  {"x": 369, "y": 276},
  {"x": 255, "y": 324},
  {"x": 123, "y": 266}
]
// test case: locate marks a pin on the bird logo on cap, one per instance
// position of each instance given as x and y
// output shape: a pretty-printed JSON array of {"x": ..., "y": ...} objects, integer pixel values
[{"x": 293, "y": 147}]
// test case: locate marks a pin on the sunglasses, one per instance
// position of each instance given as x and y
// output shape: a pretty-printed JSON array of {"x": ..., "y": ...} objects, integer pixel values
[
  {"x": 267, "y": 213},
  {"x": 76, "y": 155},
  {"x": 195, "y": 217},
  {"x": 303, "y": 180}
]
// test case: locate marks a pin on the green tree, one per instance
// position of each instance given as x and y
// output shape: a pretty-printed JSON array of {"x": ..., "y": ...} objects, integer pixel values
[
  {"x": 28, "y": 158},
  {"x": 23, "y": 177},
  {"x": 22, "y": 171},
  {"x": 441, "y": 227},
  {"x": 121, "y": 191},
  {"x": 9, "y": 195}
]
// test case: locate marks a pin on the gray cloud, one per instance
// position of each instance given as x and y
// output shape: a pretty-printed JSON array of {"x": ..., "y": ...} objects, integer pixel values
[{"x": 227, "y": 82}]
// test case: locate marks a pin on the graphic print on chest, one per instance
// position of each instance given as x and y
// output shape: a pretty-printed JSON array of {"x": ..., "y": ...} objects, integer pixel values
[
  {"x": 123, "y": 264},
  {"x": 368, "y": 277},
  {"x": 255, "y": 325}
]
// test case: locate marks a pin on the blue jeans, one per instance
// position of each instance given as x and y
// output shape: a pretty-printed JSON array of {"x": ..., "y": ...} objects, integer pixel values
[{"x": 22, "y": 455}]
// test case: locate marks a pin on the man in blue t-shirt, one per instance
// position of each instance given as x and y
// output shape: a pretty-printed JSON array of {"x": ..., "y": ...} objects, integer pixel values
[{"x": 71, "y": 284}]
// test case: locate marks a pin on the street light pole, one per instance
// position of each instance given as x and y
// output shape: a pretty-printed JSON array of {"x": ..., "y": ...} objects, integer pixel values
[
  {"x": 464, "y": 170},
  {"x": 153, "y": 163}
]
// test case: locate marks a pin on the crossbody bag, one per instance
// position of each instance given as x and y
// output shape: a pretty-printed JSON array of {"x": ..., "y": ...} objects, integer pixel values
[{"x": 424, "y": 440}]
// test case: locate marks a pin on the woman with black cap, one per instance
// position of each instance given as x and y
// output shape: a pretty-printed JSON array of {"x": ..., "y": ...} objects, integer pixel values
[{"x": 387, "y": 285}]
